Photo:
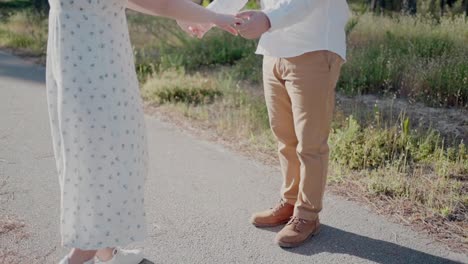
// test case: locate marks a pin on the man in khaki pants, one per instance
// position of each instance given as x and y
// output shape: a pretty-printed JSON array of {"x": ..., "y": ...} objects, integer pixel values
[{"x": 303, "y": 43}]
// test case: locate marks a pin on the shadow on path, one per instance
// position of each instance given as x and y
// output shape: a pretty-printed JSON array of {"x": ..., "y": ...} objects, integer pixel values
[
  {"x": 11, "y": 67},
  {"x": 333, "y": 240}
]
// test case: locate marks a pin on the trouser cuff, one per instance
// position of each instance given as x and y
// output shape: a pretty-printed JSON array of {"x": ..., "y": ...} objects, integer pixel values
[
  {"x": 291, "y": 201},
  {"x": 306, "y": 215}
]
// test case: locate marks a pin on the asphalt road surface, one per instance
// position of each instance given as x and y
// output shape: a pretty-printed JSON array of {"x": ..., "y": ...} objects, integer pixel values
[{"x": 199, "y": 197}]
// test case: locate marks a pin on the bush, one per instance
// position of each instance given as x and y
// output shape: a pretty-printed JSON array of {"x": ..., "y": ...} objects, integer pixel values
[
  {"x": 173, "y": 87},
  {"x": 214, "y": 50},
  {"x": 378, "y": 146},
  {"x": 416, "y": 57},
  {"x": 160, "y": 45},
  {"x": 249, "y": 68},
  {"x": 396, "y": 162},
  {"x": 447, "y": 83},
  {"x": 25, "y": 31}
]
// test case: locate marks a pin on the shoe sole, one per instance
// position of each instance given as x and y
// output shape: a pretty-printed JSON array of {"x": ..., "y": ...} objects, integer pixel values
[
  {"x": 270, "y": 225},
  {"x": 293, "y": 245}
]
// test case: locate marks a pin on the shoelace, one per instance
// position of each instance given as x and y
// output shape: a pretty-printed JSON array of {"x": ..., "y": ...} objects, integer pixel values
[
  {"x": 278, "y": 207},
  {"x": 297, "y": 222}
]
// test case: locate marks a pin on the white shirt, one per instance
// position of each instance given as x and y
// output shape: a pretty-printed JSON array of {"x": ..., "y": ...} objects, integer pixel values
[{"x": 298, "y": 26}]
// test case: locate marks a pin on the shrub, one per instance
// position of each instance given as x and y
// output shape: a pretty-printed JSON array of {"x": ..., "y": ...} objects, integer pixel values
[
  {"x": 214, "y": 50},
  {"x": 25, "y": 31},
  {"x": 378, "y": 145},
  {"x": 173, "y": 87},
  {"x": 249, "y": 68}
]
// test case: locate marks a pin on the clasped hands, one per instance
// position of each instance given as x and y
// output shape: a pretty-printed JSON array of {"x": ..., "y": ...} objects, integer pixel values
[{"x": 249, "y": 24}]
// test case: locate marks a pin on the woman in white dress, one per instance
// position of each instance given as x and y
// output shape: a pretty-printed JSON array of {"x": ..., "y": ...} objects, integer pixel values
[{"x": 98, "y": 125}]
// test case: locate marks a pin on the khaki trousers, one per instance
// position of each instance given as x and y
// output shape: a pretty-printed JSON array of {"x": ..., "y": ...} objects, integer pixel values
[{"x": 300, "y": 96}]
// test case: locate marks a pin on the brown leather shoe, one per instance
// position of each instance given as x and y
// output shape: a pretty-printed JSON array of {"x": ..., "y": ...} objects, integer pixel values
[
  {"x": 297, "y": 232},
  {"x": 274, "y": 216}
]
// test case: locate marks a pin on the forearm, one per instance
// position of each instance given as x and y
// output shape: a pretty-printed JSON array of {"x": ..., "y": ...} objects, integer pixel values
[
  {"x": 176, "y": 9},
  {"x": 137, "y": 8},
  {"x": 227, "y": 6},
  {"x": 290, "y": 12}
]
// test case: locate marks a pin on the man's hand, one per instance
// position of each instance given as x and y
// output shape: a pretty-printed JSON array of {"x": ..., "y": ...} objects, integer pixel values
[{"x": 255, "y": 24}]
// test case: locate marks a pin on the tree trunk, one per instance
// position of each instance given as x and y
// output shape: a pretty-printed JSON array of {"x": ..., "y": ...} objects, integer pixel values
[
  {"x": 465, "y": 4},
  {"x": 377, "y": 3},
  {"x": 443, "y": 3},
  {"x": 41, "y": 6},
  {"x": 410, "y": 6},
  {"x": 372, "y": 5}
]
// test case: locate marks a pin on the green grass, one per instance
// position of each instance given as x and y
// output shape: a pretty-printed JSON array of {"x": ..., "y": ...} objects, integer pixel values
[
  {"x": 217, "y": 49},
  {"x": 418, "y": 58},
  {"x": 400, "y": 163},
  {"x": 414, "y": 57},
  {"x": 172, "y": 48},
  {"x": 235, "y": 113},
  {"x": 24, "y": 31}
]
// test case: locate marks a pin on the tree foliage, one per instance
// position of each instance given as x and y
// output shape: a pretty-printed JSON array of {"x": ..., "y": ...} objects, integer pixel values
[
  {"x": 411, "y": 6},
  {"x": 41, "y": 5}
]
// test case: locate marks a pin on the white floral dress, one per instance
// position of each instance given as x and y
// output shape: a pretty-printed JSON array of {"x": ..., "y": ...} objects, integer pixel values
[{"x": 97, "y": 124}]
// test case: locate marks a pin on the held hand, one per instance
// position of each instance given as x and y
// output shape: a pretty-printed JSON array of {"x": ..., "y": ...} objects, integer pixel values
[
  {"x": 255, "y": 23},
  {"x": 199, "y": 30},
  {"x": 194, "y": 30},
  {"x": 227, "y": 23}
]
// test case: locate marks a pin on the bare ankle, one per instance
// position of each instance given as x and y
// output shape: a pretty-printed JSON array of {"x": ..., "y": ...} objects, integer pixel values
[
  {"x": 105, "y": 254},
  {"x": 78, "y": 256}
]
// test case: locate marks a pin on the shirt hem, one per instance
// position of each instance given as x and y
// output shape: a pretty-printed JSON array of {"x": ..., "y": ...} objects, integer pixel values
[{"x": 295, "y": 54}]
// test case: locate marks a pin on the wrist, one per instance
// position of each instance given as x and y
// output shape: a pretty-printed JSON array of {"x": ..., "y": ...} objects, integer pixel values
[
  {"x": 216, "y": 19},
  {"x": 267, "y": 21},
  {"x": 274, "y": 18}
]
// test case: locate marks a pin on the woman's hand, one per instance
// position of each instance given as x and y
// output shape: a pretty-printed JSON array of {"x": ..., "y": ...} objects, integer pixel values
[
  {"x": 227, "y": 23},
  {"x": 199, "y": 30},
  {"x": 186, "y": 11},
  {"x": 195, "y": 30}
]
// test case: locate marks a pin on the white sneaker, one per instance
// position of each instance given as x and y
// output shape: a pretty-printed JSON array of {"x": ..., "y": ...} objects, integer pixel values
[
  {"x": 124, "y": 256},
  {"x": 65, "y": 261}
]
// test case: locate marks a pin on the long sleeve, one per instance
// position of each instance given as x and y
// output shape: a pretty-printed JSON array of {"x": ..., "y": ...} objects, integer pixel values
[
  {"x": 230, "y": 7},
  {"x": 290, "y": 12}
]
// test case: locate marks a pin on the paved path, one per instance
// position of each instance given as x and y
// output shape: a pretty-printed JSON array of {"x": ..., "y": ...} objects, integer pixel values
[{"x": 199, "y": 197}]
